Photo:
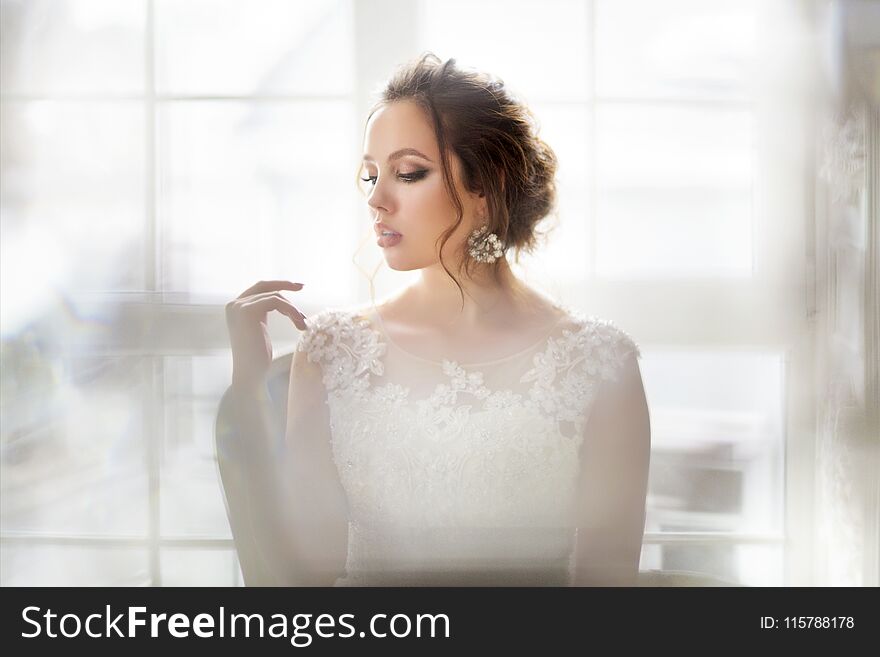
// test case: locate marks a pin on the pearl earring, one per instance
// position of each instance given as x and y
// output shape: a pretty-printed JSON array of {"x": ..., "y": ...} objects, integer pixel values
[{"x": 482, "y": 247}]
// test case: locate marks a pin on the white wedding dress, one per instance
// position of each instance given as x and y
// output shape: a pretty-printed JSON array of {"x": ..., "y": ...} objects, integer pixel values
[{"x": 459, "y": 474}]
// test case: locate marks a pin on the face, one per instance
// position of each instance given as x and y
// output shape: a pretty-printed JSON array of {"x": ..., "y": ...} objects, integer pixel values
[{"x": 405, "y": 189}]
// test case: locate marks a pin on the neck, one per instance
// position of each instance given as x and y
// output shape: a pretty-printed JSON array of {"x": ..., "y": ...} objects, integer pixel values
[{"x": 488, "y": 299}]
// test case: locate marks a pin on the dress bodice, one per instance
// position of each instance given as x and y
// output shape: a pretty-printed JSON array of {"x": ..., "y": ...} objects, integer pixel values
[{"x": 460, "y": 473}]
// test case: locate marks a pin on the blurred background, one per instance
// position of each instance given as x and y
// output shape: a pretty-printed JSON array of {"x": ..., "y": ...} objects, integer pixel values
[{"x": 158, "y": 157}]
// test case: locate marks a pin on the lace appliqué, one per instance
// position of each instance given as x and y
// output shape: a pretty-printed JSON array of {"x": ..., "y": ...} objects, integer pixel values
[
  {"x": 565, "y": 374},
  {"x": 347, "y": 350}
]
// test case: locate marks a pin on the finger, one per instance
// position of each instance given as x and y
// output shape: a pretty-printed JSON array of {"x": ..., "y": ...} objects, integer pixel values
[
  {"x": 253, "y": 303},
  {"x": 240, "y": 303},
  {"x": 279, "y": 303},
  {"x": 262, "y": 295},
  {"x": 269, "y": 286}
]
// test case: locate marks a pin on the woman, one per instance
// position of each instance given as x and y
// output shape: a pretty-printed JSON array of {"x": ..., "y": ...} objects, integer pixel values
[{"x": 467, "y": 431}]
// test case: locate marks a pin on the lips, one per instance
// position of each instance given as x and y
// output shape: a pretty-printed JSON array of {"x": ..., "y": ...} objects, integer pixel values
[{"x": 380, "y": 228}]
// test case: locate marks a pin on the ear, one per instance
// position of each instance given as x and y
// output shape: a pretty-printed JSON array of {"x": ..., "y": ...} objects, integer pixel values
[
  {"x": 482, "y": 201},
  {"x": 482, "y": 207}
]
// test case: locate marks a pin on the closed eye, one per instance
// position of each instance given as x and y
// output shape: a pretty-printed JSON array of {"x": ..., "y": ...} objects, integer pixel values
[{"x": 405, "y": 177}]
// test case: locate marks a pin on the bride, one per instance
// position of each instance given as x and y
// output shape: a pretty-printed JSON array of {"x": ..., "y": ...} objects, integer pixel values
[{"x": 468, "y": 430}]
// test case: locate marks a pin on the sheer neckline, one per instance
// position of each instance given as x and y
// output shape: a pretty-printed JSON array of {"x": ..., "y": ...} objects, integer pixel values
[{"x": 379, "y": 327}]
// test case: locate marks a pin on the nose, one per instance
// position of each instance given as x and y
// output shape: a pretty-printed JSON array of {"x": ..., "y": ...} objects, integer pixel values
[{"x": 379, "y": 198}]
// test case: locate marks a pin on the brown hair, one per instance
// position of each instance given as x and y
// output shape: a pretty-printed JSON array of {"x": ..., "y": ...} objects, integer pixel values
[{"x": 495, "y": 137}]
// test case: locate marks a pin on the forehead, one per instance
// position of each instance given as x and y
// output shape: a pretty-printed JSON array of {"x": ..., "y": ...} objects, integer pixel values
[{"x": 398, "y": 125}]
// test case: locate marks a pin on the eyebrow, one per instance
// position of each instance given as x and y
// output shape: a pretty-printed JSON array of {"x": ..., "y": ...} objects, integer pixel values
[{"x": 400, "y": 153}]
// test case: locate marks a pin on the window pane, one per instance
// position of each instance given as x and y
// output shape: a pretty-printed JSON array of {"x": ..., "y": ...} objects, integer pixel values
[
  {"x": 501, "y": 37},
  {"x": 674, "y": 193},
  {"x": 72, "y": 201},
  {"x": 195, "y": 567},
  {"x": 744, "y": 564},
  {"x": 73, "y": 458},
  {"x": 565, "y": 129},
  {"x": 258, "y": 190},
  {"x": 192, "y": 498},
  {"x": 267, "y": 47},
  {"x": 676, "y": 48},
  {"x": 72, "y": 565},
  {"x": 717, "y": 425},
  {"x": 72, "y": 46}
]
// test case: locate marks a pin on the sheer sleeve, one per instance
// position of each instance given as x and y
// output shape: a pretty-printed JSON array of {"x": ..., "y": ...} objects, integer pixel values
[
  {"x": 319, "y": 508},
  {"x": 616, "y": 350},
  {"x": 615, "y": 457}
]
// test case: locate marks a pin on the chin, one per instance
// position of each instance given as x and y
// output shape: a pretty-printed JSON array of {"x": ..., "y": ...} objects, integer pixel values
[
  {"x": 401, "y": 261},
  {"x": 401, "y": 265}
]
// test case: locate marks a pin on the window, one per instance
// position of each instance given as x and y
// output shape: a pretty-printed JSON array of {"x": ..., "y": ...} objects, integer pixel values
[{"x": 160, "y": 156}]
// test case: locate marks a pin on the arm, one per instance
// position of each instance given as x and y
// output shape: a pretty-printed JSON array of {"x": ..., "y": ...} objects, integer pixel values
[
  {"x": 247, "y": 436},
  {"x": 286, "y": 507},
  {"x": 613, "y": 484},
  {"x": 319, "y": 507}
]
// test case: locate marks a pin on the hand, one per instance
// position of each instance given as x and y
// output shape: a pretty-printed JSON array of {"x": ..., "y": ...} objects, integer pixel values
[{"x": 248, "y": 333}]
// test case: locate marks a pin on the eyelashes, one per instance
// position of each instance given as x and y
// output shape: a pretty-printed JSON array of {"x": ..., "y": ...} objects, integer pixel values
[{"x": 405, "y": 177}]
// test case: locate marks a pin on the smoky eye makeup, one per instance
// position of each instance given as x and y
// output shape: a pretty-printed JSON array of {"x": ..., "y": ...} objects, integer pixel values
[
  {"x": 408, "y": 177},
  {"x": 413, "y": 176}
]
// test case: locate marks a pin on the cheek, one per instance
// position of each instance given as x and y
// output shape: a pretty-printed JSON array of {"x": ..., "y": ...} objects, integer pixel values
[
  {"x": 429, "y": 193},
  {"x": 438, "y": 205},
  {"x": 429, "y": 212}
]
